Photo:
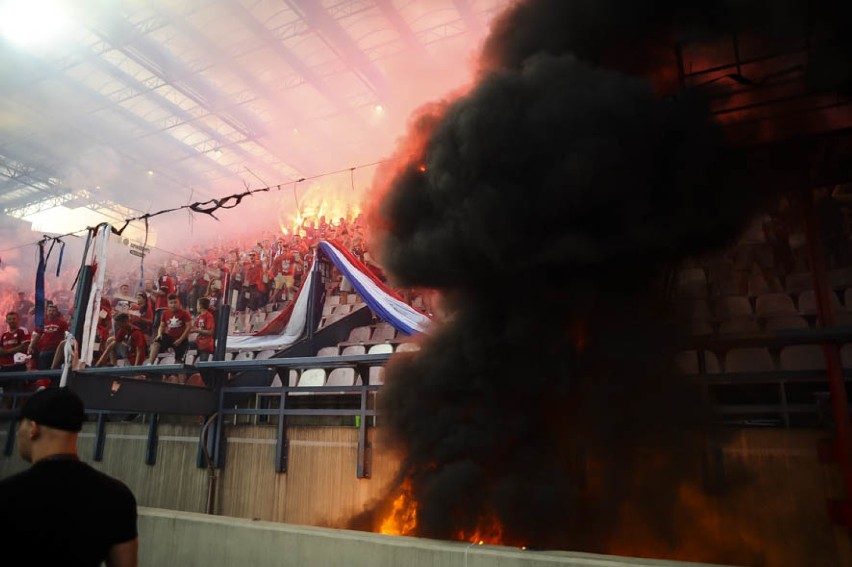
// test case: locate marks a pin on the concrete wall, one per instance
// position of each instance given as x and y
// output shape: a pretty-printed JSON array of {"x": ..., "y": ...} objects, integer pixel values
[
  {"x": 779, "y": 507},
  {"x": 180, "y": 538}
]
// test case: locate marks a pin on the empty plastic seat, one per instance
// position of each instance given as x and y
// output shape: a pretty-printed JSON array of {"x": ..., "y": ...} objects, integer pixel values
[
  {"x": 775, "y": 305},
  {"x": 408, "y": 347},
  {"x": 808, "y": 305},
  {"x": 384, "y": 332},
  {"x": 846, "y": 355},
  {"x": 353, "y": 298},
  {"x": 687, "y": 362},
  {"x": 748, "y": 360},
  {"x": 359, "y": 334},
  {"x": 697, "y": 309},
  {"x": 341, "y": 377},
  {"x": 244, "y": 355},
  {"x": 781, "y": 323},
  {"x": 264, "y": 354},
  {"x": 738, "y": 326},
  {"x": 342, "y": 309},
  {"x": 385, "y": 348},
  {"x": 312, "y": 377},
  {"x": 377, "y": 375},
  {"x": 229, "y": 356},
  {"x": 691, "y": 282},
  {"x": 701, "y": 328},
  {"x": 354, "y": 349},
  {"x": 293, "y": 379},
  {"x": 802, "y": 357},
  {"x": 757, "y": 285},
  {"x": 332, "y": 300},
  {"x": 840, "y": 278},
  {"x": 328, "y": 351},
  {"x": 797, "y": 283},
  {"x": 729, "y": 307},
  {"x": 327, "y": 309}
]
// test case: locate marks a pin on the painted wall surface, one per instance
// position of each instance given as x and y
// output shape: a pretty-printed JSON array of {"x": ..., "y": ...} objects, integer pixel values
[{"x": 781, "y": 497}]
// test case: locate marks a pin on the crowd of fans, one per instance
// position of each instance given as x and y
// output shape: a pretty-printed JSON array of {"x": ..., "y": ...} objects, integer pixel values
[{"x": 175, "y": 310}]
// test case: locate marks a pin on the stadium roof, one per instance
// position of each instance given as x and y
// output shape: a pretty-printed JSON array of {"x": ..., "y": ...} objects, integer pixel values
[{"x": 130, "y": 106}]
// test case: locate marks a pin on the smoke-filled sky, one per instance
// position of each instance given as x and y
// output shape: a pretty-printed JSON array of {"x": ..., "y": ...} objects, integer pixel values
[
  {"x": 113, "y": 113},
  {"x": 159, "y": 104}
]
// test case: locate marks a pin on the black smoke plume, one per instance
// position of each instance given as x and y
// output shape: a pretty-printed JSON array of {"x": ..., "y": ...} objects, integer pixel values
[{"x": 546, "y": 205}]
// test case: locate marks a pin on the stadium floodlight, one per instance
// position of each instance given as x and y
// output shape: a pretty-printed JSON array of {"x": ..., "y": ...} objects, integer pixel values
[{"x": 33, "y": 23}]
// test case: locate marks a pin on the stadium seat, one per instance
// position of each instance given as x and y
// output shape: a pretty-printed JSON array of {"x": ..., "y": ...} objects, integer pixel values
[
  {"x": 384, "y": 348},
  {"x": 342, "y": 309},
  {"x": 701, "y": 328},
  {"x": 408, "y": 347},
  {"x": 691, "y": 282},
  {"x": 781, "y": 323},
  {"x": 327, "y": 309},
  {"x": 377, "y": 375},
  {"x": 166, "y": 358},
  {"x": 687, "y": 362},
  {"x": 757, "y": 285},
  {"x": 738, "y": 326},
  {"x": 840, "y": 278},
  {"x": 384, "y": 332},
  {"x": 694, "y": 309},
  {"x": 332, "y": 300},
  {"x": 797, "y": 283},
  {"x": 846, "y": 355},
  {"x": 244, "y": 355},
  {"x": 341, "y": 377},
  {"x": 354, "y": 349},
  {"x": 229, "y": 356},
  {"x": 775, "y": 305},
  {"x": 312, "y": 377},
  {"x": 808, "y": 306},
  {"x": 748, "y": 360},
  {"x": 359, "y": 335},
  {"x": 802, "y": 357},
  {"x": 264, "y": 354},
  {"x": 329, "y": 351},
  {"x": 729, "y": 307},
  {"x": 294, "y": 378}
]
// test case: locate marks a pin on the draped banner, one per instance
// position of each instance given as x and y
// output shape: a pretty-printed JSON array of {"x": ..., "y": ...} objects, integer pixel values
[{"x": 290, "y": 324}]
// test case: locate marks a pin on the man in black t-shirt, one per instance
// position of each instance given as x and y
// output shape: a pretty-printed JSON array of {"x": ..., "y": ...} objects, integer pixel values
[{"x": 61, "y": 511}]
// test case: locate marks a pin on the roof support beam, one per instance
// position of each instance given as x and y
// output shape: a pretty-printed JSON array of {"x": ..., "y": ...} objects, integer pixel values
[{"x": 340, "y": 41}]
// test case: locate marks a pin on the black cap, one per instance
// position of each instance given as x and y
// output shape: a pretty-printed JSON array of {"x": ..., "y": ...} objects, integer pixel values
[{"x": 59, "y": 408}]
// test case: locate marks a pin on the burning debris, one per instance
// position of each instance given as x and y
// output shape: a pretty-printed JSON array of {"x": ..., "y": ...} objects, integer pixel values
[{"x": 545, "y": 204}]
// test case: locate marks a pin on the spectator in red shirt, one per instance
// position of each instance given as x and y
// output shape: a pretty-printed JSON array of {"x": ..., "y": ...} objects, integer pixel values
[
  {"x": 142, "y": 313},
  {"x": 130, "y": 338},
  {"x": 174, "y": 329},
  {"x": 164, "y": 288},
  {"x": 205, "y": 326},
  {"x": 46, "y": 340},
  {"x": 14, "y": 341}
]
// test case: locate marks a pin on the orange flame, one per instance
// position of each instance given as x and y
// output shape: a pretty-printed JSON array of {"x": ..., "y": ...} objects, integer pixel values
[{"x": 402, "y": 516}]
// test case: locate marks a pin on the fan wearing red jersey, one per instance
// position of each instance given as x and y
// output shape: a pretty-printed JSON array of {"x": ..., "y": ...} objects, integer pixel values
[
  {"x": 130, "y": 337},
  {"x": 174, "y": 329},
  {"x": 204, "y": 325}
]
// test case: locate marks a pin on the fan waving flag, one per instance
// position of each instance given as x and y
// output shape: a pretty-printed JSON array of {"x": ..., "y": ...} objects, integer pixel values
[{"x": 290, "y": 325}]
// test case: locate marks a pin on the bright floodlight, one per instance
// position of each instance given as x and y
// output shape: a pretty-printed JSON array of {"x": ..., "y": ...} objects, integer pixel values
[{"x": 31, "y": 23}]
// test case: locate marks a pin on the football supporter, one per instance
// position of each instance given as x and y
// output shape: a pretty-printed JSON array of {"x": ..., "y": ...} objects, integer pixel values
[
  {"x": 173, "y": 331},
  {"x": 129, "y": 338},
  {"x": 45, "y": 340},
  {"x": 14, "y": 341},
  {"x": 204, "y": 325}
]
